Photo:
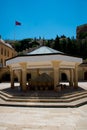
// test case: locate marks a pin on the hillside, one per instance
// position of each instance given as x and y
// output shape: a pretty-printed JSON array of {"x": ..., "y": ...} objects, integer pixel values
[{"x": 70, "y": 46}]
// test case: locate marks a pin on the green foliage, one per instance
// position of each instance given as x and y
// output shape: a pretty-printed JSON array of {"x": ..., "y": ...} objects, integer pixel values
[
  {"x": 17, "y": 46},
  {"x": 68, "y": 46},
  {"x": 56, "y": 43},
  {"x": 49, "y": 43},
  {"x": 83, "y": 35},
  {"x": 25, "y": 44}
]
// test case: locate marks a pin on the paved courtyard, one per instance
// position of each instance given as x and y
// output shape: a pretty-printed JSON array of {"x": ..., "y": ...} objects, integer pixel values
[
  {"x": 19, "y": 118},
  {"x": 30, "y": 118}
]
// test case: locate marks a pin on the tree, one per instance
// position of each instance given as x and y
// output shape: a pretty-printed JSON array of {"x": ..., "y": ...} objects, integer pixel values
[
  {"x": 56, "y": 43},
  {"x": 63, "y": 45},
  {"x": 25, "y": 43},
  {"x": 50, "y": 43},
  {"x": 17, "y": 46},
  {"x": 63, "y": 36},
  {"x": 69, "y": 46}
]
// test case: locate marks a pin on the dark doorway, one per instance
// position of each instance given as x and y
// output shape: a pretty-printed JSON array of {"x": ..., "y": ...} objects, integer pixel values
[
  {"x": 5, "y": 77},
  {"x": 28, "y": 76},
  {"x": 63, "y": 77},
  {"x": 85, "y": 76}
]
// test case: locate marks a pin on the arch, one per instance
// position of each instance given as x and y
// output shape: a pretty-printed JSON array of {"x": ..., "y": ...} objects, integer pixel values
[
  {"x": 64, "y": 77},
  {"x": 16, "y": 75},
  {"x": 5, "y": 77},
  {"x": 85, "y": 75},
  {"x": 28, "y": 76}
]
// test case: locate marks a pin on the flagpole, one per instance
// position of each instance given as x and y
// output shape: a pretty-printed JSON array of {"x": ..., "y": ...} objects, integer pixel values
[
  {"x": 16, "y": 24},
  {"x": 15, "y": 32}
]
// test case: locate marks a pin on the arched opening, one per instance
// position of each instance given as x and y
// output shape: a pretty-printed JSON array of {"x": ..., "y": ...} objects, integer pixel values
[
  {"x": 63, "y": 77},
  {"x": 16, "y": 79},
  {"x": 85, "y": 75},
  {"x": 5, "y": 77},
  {"x": 28, "y": 76}
]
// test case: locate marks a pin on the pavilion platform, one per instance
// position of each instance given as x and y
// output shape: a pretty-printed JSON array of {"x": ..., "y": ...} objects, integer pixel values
[{"x": 67, "y": 97}]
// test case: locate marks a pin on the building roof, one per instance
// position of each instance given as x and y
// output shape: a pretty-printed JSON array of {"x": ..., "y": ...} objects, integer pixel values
[
  {"x": 43, "y": 57},
  {"x": 6, "y": 44},
  {"x": 44, "y": 50}
]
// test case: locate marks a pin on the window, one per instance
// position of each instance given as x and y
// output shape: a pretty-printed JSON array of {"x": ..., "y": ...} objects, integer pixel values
[
  {"x": 85, "y": 75},
  {"x": 2, "y": 62},
  {"x": 5, "y": 52},
  {"x": 8, "y": 54},
  {"x": 12, "y": 54},
  {"x": 63, "y": 77},
  {"x": 1, "y": 51}
]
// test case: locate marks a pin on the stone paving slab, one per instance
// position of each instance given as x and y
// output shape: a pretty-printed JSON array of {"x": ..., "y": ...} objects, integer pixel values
[
  {"x": 43, "y": 118},
  {"x": 20, "y": 118}
]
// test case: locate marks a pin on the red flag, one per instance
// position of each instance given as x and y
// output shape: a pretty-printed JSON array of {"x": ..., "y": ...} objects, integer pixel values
[{"x": 17, "y": 23}]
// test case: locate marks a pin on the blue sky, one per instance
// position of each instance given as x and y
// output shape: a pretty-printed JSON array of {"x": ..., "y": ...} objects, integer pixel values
[{"x": 45, "y": 18}]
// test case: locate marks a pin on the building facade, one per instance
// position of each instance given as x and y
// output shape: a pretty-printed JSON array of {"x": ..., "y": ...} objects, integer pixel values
[
  {"x": 6, "y": 52},
  {"x": 81, "y": 31}
]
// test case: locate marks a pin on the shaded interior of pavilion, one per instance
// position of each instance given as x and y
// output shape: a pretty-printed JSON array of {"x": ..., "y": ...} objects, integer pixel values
[{"x": 44, "y": 79}]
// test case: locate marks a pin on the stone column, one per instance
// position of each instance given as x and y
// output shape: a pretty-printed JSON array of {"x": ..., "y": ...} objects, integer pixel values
[
  {"x": 20, "y": 78},
  {"x": 56, "y": 73},
  {"x": 71, "y": 78},
  {"x": 76, "y": 76},
  {"x": 37, "y": 72},
  {"x": 12, "y": 77},
  {"x": 23, "y": 74}
]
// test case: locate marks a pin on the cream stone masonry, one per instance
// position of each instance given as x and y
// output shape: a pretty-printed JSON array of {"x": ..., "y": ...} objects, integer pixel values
[
  {"x": 23, "y": 65},
  {"x": 76, "y": 76},
  {"x": 71, "y": 77},
  {"x": 12, "y": 77},
  {"x": 56, "y": 73},
  {"x": 6, "y": 52},
  {"x": 51, "y": 61}
]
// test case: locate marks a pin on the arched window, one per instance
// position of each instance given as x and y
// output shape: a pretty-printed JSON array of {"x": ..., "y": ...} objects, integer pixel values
[
  {"x": 63, "y": 77},
  {"x": 5, "y": 52},
  {"x": 5, "y": 77},
  {"x": 28, "y": 76},
  {"x": 1, "y": 51},
  {"x": 8, "y": 53},
  {"x": 85, "y": 75},
  {"x": 1, "y": 62}
]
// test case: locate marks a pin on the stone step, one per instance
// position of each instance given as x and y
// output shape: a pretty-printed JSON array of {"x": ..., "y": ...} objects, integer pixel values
[
  {"x": 5, "y": 94},
  {"x": 65, "y": 96},
  {"x": 68, "y": 98},
  {"x": 75, "y": 94},
  {"x": 74, "y": 104},
  {"x": 4, "y": 97}
]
